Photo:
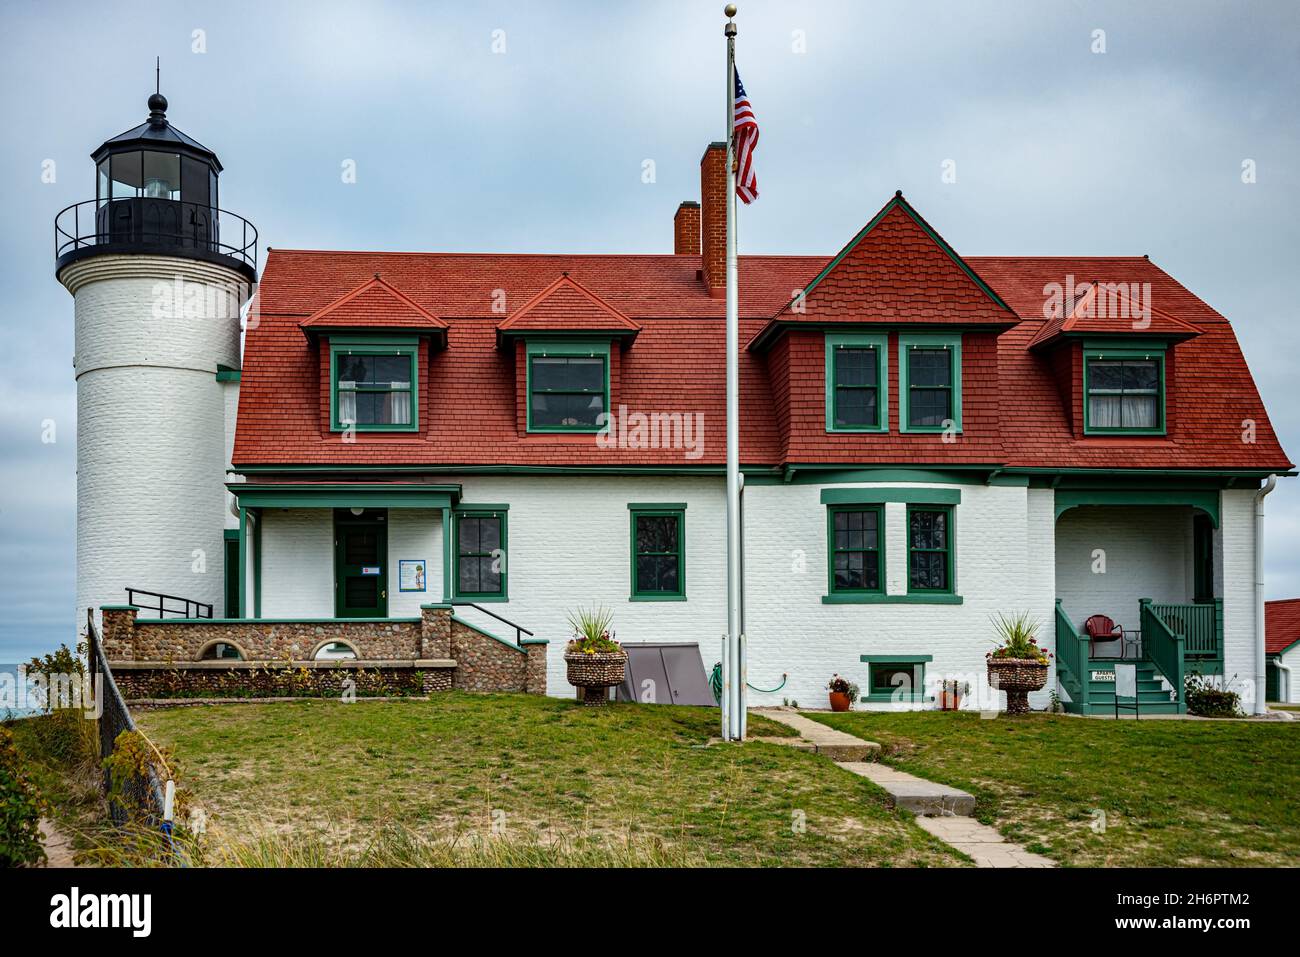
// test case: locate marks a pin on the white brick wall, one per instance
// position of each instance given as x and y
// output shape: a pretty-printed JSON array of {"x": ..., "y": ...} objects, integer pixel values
[
  {"x": 151, "y": 430},
  {"x": 414, "y": 533},
  {"x": 297, "y": 564},
  {"x": 1236, "y": 547},
  {"x": 1289, "y": 685}
]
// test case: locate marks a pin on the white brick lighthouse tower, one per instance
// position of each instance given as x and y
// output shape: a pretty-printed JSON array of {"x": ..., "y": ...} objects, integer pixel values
[{"x": 158, "y": 273}]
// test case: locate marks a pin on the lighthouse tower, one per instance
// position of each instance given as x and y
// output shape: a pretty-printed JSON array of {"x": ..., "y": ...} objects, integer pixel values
[{"x": 158, "y": 272}]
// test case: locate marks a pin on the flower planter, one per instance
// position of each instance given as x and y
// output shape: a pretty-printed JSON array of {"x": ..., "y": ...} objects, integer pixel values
[
  {"x": 840, "y": 701},
  {"x": 596, "y": 673},
  {"x": 1017, "y": 677}
]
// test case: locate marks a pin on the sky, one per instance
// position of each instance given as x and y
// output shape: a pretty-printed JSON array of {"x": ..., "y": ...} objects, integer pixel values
[{"x": 526, "y": 127}]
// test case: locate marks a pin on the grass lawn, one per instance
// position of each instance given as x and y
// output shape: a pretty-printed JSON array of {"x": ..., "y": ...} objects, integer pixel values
[
  {"x": 1174, "y": 793},
  {"x": 450, "y": 766}
]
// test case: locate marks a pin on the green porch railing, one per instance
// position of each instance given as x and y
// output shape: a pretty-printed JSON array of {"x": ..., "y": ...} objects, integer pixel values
[
  {"x": 1200, "y": 625},
  {"x": 1072, "y": 661},
  {"x": 1164, "y": 647}
]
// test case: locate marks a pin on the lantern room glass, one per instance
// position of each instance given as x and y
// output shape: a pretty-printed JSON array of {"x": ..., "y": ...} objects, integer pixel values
[{"x": 154, "y": 174}]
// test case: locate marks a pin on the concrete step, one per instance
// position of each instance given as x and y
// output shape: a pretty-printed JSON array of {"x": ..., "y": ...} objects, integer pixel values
[
  {"x": 923, "y": 798},
  {"x": 836, "y": 745}
]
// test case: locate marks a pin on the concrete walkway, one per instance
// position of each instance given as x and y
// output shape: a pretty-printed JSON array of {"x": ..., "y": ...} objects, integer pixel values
[{"x": 942, "y": 810}]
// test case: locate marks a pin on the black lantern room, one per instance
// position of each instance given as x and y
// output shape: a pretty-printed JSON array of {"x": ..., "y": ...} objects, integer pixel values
[{"x": 156, "y": 192}]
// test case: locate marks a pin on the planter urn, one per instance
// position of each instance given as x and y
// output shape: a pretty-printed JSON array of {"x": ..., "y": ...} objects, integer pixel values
[
  {"x": 596, "y": 673},
  {"x": 1017, "y": 677},
  {"x": 840, "y": 701}
]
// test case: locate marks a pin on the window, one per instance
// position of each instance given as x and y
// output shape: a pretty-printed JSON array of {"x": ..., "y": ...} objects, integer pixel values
[
  {"x": 658, "y": 552},
  {"x": 929, "y": 549},
  {"x": 335, "y": 651},
  {"x": 374, "y": 386},
  {"x": 857, "y": 384},
  {"x": 568, "y": 386},
  {"x": 856, "y": 563},
  {"x": 895, "y": 677},
  {"x": 1125, "y": 393},
  {"x": 929, "y": 383},
  {"x": 481, "y": 554},
  {"x": 220, "y": 651}
]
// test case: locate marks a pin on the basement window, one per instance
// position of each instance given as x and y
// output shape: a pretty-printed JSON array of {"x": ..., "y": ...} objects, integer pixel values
[
  {"x": 568, "y": 386},
  {"x": 374, "y": 385},
  {"x": 895, "y": 678}
]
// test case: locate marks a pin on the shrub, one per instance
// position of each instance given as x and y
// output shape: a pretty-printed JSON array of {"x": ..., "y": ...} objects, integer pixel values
[
  {"x": 20, "y": 810},
  {"x": 591, "y": 633},
  {"x": 1017, "y": 634},
  {"x": 1208, "y": 700}
]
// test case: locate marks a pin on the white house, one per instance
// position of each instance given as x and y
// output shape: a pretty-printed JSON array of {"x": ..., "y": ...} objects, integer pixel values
[{"x": 424, "y": 460}]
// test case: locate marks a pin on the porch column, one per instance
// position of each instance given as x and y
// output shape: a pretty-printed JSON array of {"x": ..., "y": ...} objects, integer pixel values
[{"x": 446, "y": 555}]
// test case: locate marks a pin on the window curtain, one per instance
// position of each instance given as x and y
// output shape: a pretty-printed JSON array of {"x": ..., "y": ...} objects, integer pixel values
[
  {"x": 347, "y": 403},
  {"x": 399, "y": 403}
]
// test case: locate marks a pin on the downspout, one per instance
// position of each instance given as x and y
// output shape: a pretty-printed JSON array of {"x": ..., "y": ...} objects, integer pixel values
[{"x": 1261, "y": 671}]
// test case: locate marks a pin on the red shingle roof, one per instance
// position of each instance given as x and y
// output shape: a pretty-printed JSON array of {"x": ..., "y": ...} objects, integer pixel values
[
  {"x": 567, "y": 306},
  {"x": 1108, "y": 309},
  {"x": 372, "y": 305},
  {"x": 1281, "y": 624},
  {"x": 1016, "y": 415}
]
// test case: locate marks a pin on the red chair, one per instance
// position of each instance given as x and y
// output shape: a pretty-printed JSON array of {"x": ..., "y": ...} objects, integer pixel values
[{"x": 1100, "y": 628}]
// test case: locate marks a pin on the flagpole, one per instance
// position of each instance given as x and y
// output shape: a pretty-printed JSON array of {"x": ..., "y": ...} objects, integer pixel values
[{"x": 734, "y": 682}]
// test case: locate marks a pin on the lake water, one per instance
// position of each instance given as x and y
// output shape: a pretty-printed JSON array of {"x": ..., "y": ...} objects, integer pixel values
[{"x": 9, "y": 693}]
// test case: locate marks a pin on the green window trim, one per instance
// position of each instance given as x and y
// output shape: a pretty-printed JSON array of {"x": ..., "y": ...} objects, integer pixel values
[
  {"x": 501, "y": 514},
  {"x": 835, "y": 594},
  {"x": 836, "y": 342},
  {"x": 908, "y": 343},
  {"x": 677, "y": 511},
  {"x": 881, "y": 666},
  {"x": 372, "y": 345},
  {"x": 561, "y": 347},
  {"x": 875, "y": 495},
  {"x": 1097, "y": 353},
  {"x": 949, "y": 551}
]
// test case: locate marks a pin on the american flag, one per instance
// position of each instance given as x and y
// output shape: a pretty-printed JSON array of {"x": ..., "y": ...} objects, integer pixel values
[{"x": 745, "y": 130}]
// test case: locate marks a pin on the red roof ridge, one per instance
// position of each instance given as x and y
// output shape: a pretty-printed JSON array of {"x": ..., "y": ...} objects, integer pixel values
[
  {"x": 565, "y": 281},
  {"x": 321, "y": 316}
]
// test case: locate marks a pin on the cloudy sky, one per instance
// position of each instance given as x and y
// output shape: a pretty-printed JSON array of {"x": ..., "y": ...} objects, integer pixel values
[{"x": 460, "y": 144}]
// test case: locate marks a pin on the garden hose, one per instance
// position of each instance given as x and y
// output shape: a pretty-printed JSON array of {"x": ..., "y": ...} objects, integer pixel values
[{"x": 715, "y": 684}]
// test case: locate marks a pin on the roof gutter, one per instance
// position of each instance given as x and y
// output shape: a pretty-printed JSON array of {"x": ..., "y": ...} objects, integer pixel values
[{"x": 1261, "y": 675}]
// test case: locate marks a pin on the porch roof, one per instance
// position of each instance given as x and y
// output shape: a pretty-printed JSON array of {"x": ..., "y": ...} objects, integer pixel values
[
  {"x": 344, "y": 495},
  {"x": 1207, "y": 500}
]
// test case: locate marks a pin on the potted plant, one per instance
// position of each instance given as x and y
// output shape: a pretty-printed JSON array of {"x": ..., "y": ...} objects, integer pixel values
[
  {"x": 1017, "y": 665},
  {"x": 952, "y": 693},
  {"x": 842, "y": 693},
  {"x": 595, "y": 661}
]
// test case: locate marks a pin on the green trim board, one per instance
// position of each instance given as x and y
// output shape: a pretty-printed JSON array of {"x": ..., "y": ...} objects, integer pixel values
[
  {"x": 672, "y": 510},
  {"x": 869, "y": 598},
  {"x": 536, "y": 347},
  {"x": 256, "y": 516},
  {"x": 1092, "y": 353},
  {"x": 840, "y": 542},
  {"x": 368, "y": 495},
  {"x": 227, "y": 373},
  {"x": 243, "y": 561},
  {"x": 1204, "y": 499},
  {"x": 378, "y": 346},
  {"x": 501, "y": 515},
  {"x": 948, "y": 551},
  {"x": 913, "y": 342},
  {"x": 836, "y": 345},
  {"x": 877, "y": 495}
]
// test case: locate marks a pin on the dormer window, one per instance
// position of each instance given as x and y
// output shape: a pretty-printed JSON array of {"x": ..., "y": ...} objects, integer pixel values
[
  {"x": 857, "y": 383},
  {"x": 929, "y": 387},
  {"x": 568, "y": 386},
  {"x": 374, "y": 385},
  {"x": 1124, "y": 392}
]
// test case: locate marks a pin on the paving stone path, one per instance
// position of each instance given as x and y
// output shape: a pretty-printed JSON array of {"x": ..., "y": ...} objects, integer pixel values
[{"x": 942, "y": 810}]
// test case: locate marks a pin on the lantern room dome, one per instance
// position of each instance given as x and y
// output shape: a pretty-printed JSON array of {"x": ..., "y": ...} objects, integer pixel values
[{"x": 157, "y": 133}]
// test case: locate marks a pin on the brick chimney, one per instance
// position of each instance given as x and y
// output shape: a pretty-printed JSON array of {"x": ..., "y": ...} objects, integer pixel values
[
  {"x": 713, "y": 219},
  {"x": 686, "y": 229}
]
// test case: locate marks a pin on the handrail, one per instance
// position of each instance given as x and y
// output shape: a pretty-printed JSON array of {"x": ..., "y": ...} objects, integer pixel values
[
  {"x": 204, "y": 227},
  {"x": 1164, "y": 647},
  {"x": 1198, "y": 624},
  {"x": 1072, "y": 656},
  {"x": 520, "y": 631},
  {"x": 192, "y": 609}
]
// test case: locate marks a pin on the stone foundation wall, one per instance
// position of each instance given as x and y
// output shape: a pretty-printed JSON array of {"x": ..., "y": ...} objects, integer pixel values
[
  {"x": 162, "y": 657},
  {"x": 487, "y": 663},
  {"x": 278, "y": 679}
]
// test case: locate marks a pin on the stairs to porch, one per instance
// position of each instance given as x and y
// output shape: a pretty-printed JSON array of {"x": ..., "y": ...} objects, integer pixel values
[{"x": 1153, "y": 697}]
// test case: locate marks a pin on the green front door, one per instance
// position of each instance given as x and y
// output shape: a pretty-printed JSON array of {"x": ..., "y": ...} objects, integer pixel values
[{"x": 361, "y": 564}]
